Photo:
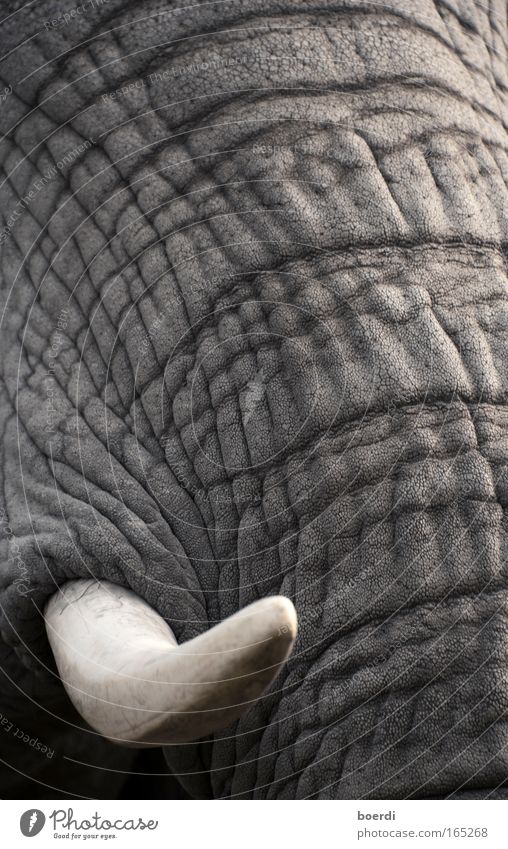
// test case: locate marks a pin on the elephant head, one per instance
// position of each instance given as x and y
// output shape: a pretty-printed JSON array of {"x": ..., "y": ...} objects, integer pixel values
[{"x": 254, "y": 347}]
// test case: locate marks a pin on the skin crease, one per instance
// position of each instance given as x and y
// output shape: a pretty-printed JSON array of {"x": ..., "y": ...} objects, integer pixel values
[{"x": 253, "y": 341}]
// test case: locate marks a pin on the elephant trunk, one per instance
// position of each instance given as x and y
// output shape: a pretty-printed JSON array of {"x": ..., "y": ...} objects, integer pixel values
[
  {"x": 285, "y": 258},
  {"x": 318, "y": 224}
]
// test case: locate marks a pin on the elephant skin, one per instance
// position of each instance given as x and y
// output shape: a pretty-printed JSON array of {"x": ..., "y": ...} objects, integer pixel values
[{"x": 254, "y": 342}]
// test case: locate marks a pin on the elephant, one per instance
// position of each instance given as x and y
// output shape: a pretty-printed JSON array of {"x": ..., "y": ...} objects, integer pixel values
[{"x": 254, "y": 399}]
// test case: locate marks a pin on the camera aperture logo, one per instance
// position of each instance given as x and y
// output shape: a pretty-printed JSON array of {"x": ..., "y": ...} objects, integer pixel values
[{"x": 32, "y": 822}]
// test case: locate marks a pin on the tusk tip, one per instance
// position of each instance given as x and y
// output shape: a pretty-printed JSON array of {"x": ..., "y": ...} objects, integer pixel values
[
  {"x": 285, "y": 620},
  {"x": 269, "y": 631}
]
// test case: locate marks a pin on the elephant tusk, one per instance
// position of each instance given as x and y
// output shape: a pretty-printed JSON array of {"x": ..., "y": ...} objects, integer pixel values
[{"x": 129, "y": 679}]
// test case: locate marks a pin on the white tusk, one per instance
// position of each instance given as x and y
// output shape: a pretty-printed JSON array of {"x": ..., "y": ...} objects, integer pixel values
[{"x": 126, "y": 675}]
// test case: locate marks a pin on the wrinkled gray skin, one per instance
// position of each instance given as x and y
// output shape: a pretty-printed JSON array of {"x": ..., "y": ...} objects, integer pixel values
[{"x": 282, "y": 368}]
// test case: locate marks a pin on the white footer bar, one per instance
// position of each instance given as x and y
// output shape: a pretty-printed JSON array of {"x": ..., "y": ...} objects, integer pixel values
[{"x": 251, "y": 824}]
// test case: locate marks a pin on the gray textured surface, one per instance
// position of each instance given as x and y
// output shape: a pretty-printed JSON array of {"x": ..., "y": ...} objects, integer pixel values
[{"x": 282, "y": 370}]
